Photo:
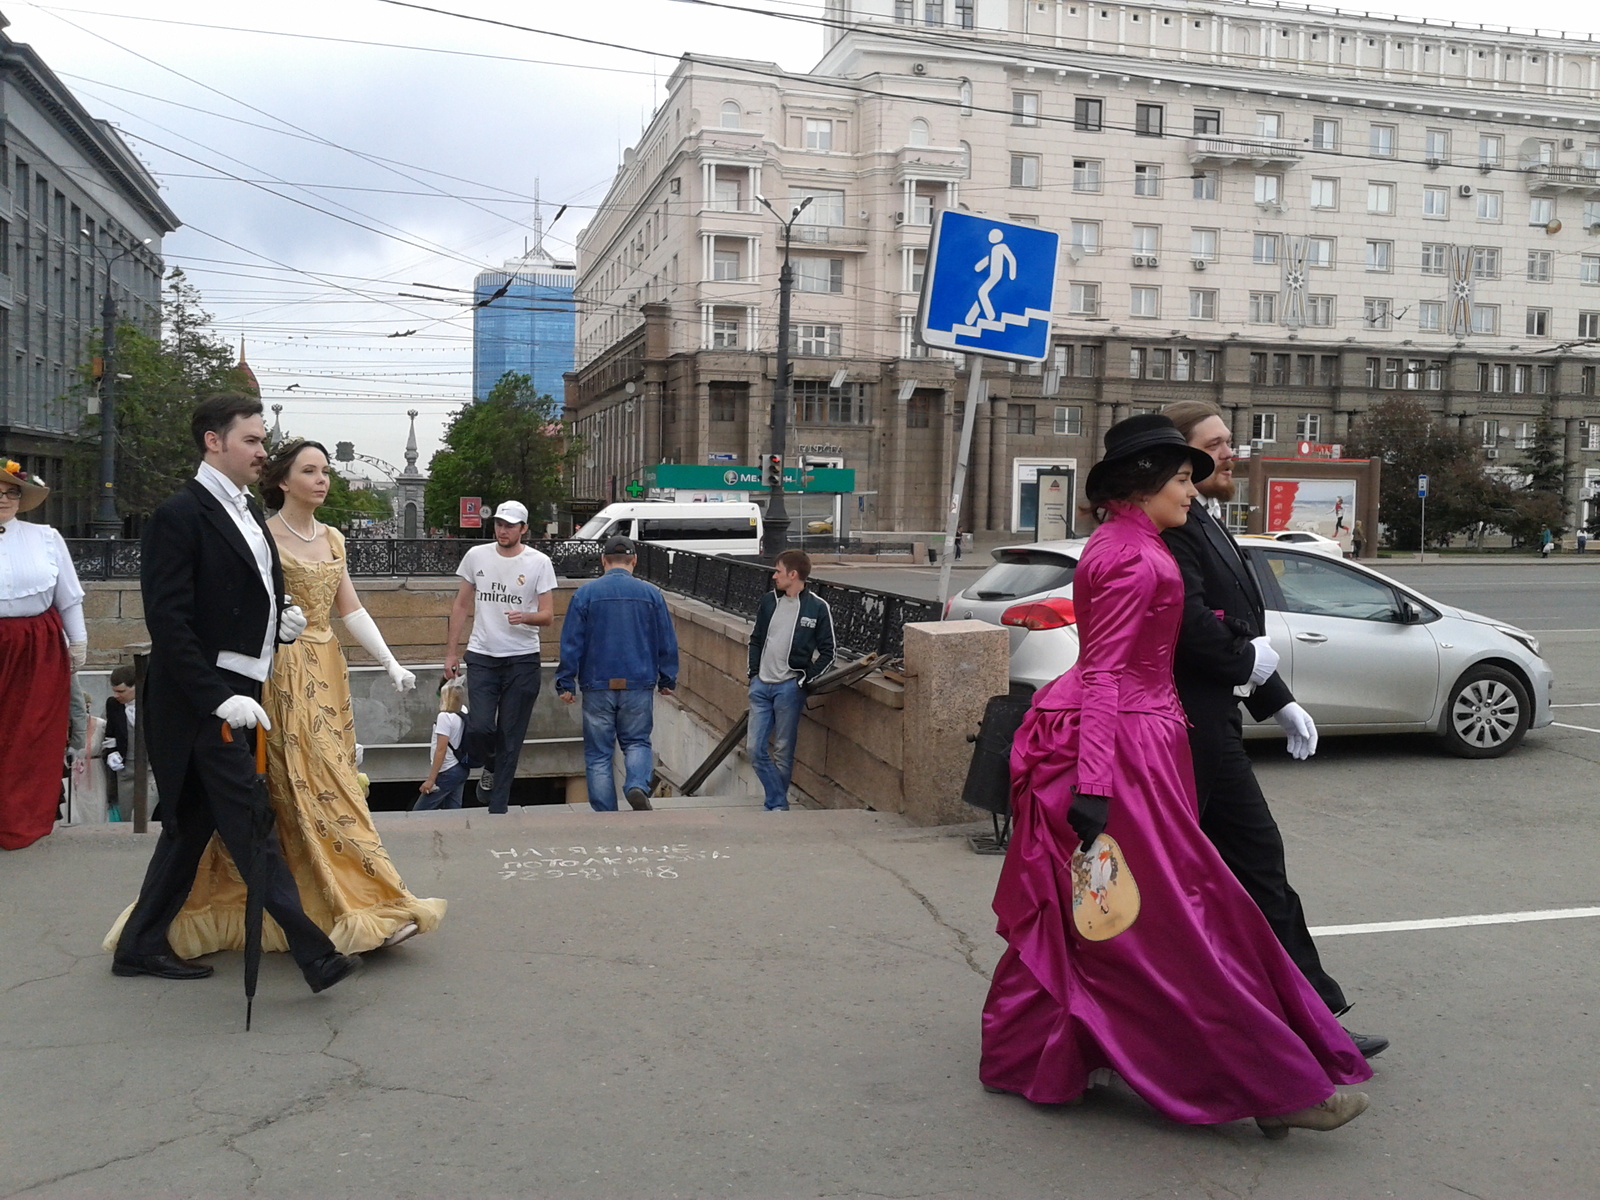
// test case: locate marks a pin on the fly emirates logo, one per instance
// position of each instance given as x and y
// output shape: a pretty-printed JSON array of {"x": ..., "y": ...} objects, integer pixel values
[{"x": 499, "y": 593}]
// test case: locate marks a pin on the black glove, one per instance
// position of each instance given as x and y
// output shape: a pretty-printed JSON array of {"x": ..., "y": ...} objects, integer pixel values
[{"x": 1088, "y": 815}]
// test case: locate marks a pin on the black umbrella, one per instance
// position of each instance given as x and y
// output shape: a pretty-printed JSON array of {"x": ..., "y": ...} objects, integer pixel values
[{"x": 255, "y": 871}]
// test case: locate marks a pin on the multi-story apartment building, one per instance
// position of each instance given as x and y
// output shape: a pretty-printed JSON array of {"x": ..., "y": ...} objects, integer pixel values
[
  {"x": 524, "y": 323},
  {"x": 72, "y": 198},
  {"x": 1292, "y": 213}
]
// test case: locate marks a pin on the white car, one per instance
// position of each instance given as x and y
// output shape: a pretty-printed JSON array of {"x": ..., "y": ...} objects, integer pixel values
[
  {"x": 1363, "y": 653},
  {"x": 1303, "y": 538}
]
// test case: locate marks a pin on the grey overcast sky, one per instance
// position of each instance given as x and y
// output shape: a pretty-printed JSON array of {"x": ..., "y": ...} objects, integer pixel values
[{"x": 250, "y": 132}]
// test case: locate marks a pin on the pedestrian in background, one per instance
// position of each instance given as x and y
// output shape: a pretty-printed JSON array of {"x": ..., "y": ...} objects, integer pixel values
[
  {"x": 508, "y": 589},
  {"x": 447, "y": 773},
  {"x": 1358, "y": 539},
  {"x": 790, "y": 646},
  {"x": 1583, "y": 541},
  {"x": 1547, "y": 542},
  {"x": 122, "y": 715},
  {"x": 618, "y": 647}
]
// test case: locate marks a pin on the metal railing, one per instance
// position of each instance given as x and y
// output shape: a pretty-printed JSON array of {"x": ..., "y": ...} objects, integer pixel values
[{"x": 367, "y": 558}]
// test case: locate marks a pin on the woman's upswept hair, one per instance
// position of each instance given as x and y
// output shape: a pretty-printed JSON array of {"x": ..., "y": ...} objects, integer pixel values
[{"x": 279, "y": 466}]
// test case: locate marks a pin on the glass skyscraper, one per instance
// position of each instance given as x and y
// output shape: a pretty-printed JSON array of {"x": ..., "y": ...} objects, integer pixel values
[{"x": 527, "y": 326}]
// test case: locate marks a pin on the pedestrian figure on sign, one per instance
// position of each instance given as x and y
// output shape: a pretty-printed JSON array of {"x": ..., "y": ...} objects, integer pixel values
[
  {"x": 998, "y": 262},
  {"x": 1338, "y": 515}
]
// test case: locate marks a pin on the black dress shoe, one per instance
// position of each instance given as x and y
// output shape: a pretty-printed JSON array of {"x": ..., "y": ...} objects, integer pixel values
[
  {"x": 1370, "y": 1044},
  {"x": 329, "y": 970},
  {"x": 162, "y": 966}
]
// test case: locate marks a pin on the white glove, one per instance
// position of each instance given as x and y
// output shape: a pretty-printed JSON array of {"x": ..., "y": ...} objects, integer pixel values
[
  {"x": 114, "y": 761},
  {"x": 291, "y": 623},
  {"x": 361, "y": 754},
  {"x": 241, "y": 710},
  {"x": 1302, "y": 730},
  {"x": 1266, "y": 661},
  {"x": 365, "y": 631},
  {"x": 79, "y": 653}
]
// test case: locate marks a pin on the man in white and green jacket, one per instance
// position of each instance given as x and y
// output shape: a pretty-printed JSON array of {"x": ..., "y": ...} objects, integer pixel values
[{"x": 790, "y": 646}]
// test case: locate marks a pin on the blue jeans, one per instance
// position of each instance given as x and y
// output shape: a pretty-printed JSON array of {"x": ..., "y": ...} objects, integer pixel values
[
  {"x": 447, "y": 788},
  {"x": 609, "y": 718},
  {"x": 775, "y": 710},
  {"x": 500, "y": 696}
]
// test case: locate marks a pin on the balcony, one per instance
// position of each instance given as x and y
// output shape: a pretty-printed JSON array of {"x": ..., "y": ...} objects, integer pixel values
[
  {"x": 1254, "y": 151},
  {"x": 1552, "y": 177},
  {"x": 845, "y": 236}
]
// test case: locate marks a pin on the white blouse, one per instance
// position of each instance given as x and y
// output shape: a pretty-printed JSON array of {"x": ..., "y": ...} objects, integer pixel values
[{"x": 36, "y": 573}]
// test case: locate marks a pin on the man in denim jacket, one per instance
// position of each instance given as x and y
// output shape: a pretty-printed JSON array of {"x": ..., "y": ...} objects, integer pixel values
[
  {"x": 618, "y": 647},
  {"x": 791, "y": 645}
]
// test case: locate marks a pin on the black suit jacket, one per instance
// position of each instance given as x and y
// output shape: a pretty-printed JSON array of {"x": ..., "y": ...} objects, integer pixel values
[
  {"x": 202, "y": 595},
  {"x": 117, "y": 731}
]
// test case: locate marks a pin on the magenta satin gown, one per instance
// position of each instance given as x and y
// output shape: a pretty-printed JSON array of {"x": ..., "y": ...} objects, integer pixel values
[{"x": 1196, "y": 1005}]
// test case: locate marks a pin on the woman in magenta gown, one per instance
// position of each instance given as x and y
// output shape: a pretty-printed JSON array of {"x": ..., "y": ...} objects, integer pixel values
[{"x": 1195, "y": 1005}]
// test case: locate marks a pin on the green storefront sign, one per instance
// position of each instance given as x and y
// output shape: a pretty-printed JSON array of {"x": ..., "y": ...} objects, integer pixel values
[{"x": 693, "y": 477}]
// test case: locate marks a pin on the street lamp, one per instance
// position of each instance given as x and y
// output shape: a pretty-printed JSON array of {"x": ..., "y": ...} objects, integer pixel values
[
  {"x": 106, "y": 522},
  {"x": 775, "y": 537}
]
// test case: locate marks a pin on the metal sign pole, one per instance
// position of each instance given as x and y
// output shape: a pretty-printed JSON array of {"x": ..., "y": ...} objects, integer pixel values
[{"x": 963, "y": 453}]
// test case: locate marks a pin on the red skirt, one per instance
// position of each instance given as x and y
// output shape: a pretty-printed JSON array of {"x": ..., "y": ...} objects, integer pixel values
[{"x": 35, "y": 679}]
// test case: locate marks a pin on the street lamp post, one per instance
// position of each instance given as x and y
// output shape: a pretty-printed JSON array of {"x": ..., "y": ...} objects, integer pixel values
[
  {"x": 107, "y": 524},
  {"x": 775, "y": 537}
]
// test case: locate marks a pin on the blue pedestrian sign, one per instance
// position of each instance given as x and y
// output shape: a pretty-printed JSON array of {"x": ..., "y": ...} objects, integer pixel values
[
  {"x": 989, "y": 287},
  {"x": 1422, "y": 487}
]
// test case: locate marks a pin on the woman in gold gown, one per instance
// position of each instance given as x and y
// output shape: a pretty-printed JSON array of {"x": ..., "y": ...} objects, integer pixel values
[{"x": 347, "y": 883}]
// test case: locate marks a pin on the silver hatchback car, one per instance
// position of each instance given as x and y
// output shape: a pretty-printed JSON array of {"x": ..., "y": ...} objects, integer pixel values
[{"x": 1362, "y": 652}]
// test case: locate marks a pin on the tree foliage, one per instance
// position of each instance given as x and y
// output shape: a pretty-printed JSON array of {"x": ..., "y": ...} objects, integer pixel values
[{"x": 512, "y": 445}]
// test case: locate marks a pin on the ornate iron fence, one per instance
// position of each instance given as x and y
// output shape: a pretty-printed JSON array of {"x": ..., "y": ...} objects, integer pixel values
[
  {"x": 369, "y": 558},
  {"x": 865, "y": 621}
]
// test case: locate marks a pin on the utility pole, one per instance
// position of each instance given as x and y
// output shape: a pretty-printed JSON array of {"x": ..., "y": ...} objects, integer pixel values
[
  {"x": 775, "y": 536},
  {"x": 107, "y": 524}
]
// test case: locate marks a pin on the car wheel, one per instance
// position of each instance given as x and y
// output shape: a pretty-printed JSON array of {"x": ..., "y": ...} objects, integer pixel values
[{"x": 1487, "y": 713}]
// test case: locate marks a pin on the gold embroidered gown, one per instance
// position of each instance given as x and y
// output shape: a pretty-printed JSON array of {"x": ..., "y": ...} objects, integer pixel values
[{"x": 347, "y": 884}]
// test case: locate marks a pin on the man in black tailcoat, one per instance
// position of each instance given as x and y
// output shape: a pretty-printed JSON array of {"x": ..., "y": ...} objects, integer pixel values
[
  {"x": 211, "y": 583},
  {"x": 1222, "y": 646}
]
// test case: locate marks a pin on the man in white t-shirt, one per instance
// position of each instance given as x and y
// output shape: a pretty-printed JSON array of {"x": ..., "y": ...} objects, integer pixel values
[{"x": 509, "y": 591}]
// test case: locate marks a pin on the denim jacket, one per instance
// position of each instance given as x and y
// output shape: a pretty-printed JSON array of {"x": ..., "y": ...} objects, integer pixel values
[{"x": 617, "y": 627}]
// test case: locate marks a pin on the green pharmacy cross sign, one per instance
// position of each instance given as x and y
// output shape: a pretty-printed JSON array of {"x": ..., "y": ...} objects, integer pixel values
[
  {"x": 634, "y": 489},
  {"x": 693, "y": 477}
]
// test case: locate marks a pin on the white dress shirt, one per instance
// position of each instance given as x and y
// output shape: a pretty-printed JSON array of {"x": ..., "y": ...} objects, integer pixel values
[
  {"x": 36, "y": 573},
  {"x": 236, "y": 503}
]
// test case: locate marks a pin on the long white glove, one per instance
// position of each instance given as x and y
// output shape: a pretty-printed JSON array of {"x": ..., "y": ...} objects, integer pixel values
[
  {"x": 1302, "y": 730},
  {"x": 79, "y": 652},
  {"x": 1266, "y": 661},
  {"x": 241, "y": 710},
  {"x": 291, "y": 623},
  {"x": 114, "y": 760},
  {"x": 365, "y": 631}
]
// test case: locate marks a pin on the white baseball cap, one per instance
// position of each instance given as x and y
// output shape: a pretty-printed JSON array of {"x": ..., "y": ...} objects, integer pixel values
[{"x": 511, "y": 512}]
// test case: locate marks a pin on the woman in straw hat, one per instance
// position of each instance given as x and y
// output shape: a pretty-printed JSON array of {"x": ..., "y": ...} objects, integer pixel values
[
  {"x": 1194, "y": 1004},
  {"x": 42, "y": 642}
]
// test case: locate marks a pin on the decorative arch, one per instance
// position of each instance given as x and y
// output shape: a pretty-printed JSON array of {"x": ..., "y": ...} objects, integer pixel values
[
  {"x": 731, "y": 114},
  {"x": 920, "y": 134}
]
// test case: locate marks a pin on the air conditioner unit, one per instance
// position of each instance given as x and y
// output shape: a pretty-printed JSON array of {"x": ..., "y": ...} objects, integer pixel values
[
  {"x": 1152, "y": 261},
  {"x": 1140, "y": 260},
  {"x": 1594, "y": 227},
  {"x": 1465, "y": 189},
  {"x": 1568, "y": 143},
  {"x": 1199, "y": 264},
  {"x": 919, "y": 68},
  {"x": 899, "y": 218},
  {"x": 1491, "y": 454}
]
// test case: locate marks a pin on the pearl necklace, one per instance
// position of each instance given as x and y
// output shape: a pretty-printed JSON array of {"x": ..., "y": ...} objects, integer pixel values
[{"x": 315, "y": 529}]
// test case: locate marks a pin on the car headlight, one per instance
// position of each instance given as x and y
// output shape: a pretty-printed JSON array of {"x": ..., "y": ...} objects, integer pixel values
[{"x": 1520, "y": 635}]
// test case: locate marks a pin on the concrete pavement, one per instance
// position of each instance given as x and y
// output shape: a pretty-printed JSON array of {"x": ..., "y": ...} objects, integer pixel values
[{"x": 723, "y": 1002}]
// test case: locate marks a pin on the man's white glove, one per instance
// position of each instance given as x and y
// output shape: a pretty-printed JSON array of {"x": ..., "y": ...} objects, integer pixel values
[
  {"x": 291, "y": 623},
  {"x": 361, "y": 754},
  {"x": 79, "y": 653},
  {"x": 1302, "y": 730},
  {"x": 114, "y": 760},
  {"x": 1266, "y": 661},
  {"x": 241, "y": 710},
  {"x": 365, "y": 631}
]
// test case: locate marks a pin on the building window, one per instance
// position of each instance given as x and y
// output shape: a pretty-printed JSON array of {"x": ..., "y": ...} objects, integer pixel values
[
  {"x": 1379, "y": 256},
  {"x": 1069, "y": 421},
  {"x": 1537, "y": 323},
  {"x": 1088, "y": 114},
  {"x": 1136, "y": 362},
  {"x": 1489, "y": 149},
  {"x": 1589, "y": 324},
  {"x": 1263, "y": 308},
  {"x": 1146, "y": 179},
  {"x": 1264, "y": 249},
  {"x": 1024, "y": 170},
  {"x": 1149, "y": 120},
  {"x": 1375, "y": 313},
  {"x": 1591, "y": 216},
  {"x": 1589, "y": 269},
  {"x": 1305, "y": 370},
  {"x": 1319, "y": 311},
  {"x": 1324, "y": 193},
  {"x": 1308, "y": 427},
  {"x": 905, "y": 12},
  {"x": 1541, "y": 210},
  {"x": 1435, "y": 202},
  {"x": 1522, "y": 379},
  {"x": 1269, "y": 124},
  {"x": 725, "y": 398},
  {"x": 1544, "y": 380},
  {"x": 727, "y": 329},
  {"x": 1319, "y": 252},
  {"x": 1489, "y": 206},
  {"x": 933, "y": 12},
  {"x": 1144, "y": 302},
  {"x": 1430, "y": 316},
  {"x": 1197, "y": 366},
  {"x": 1202, "y": 304},
  {"x": 1203, "y": 244},
  {"x": 916, "y": 263},
  {"x": 1380, "y": 141},
  {"x": 1020, "y": 419},
  {"x": 1328, "y": 370},
  {"x": 1436, "y": 146},
  {"x": 825, "y": 211},
  {"x": 1205, "y": 184},
  {"x": 1324, "y": 134},
  {"x": 919, "y": 410},
  {"x": 964, "y": 13},
  {"x": 1025, "y": 108},
  {"x": 1380, "y": 198},
  {"x": 727, "y": 259},
  {"x": 1086, "y": 174},
  {"x": 1088, "y": 360},
  {"x": 1147, "y": 239},
  {"x": 1263, "y": 427},
  {"x": 819, "y": 274},
  {"x": 1268, "y": 188},
  {"x": 813, "y": 402},
  {"x": 819, "y": 134},
  {"x": 1541, "y": 266},
  {"x": 1435, "y": 258},
  {"x": 919, "y": 134},
  {"x": 1586, "y": 386},
  {"x": 1084, "y": 299},
  {"x": 1086, "y": 237},
  {"x": 1280, "y": 370},
  {"x": 730, "y": 114},
  {"x": 1485, "y": 318},
  {"x": 819, "y": 341},
  {"x": 1485, "y": 262},
  {"x": 1207, "y": 121}
]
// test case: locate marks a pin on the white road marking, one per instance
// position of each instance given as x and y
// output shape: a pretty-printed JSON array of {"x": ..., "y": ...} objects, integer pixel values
[
  {"x": 1579, "y": 728},
  {"x": 1595, "y": 704},
  {"x": 1510, "y": 918}
]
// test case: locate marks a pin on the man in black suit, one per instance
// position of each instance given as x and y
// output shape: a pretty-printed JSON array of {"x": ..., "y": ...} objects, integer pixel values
[
  {"x": 1220, "y": 653},
  {"x": 211, "y": 582}
]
